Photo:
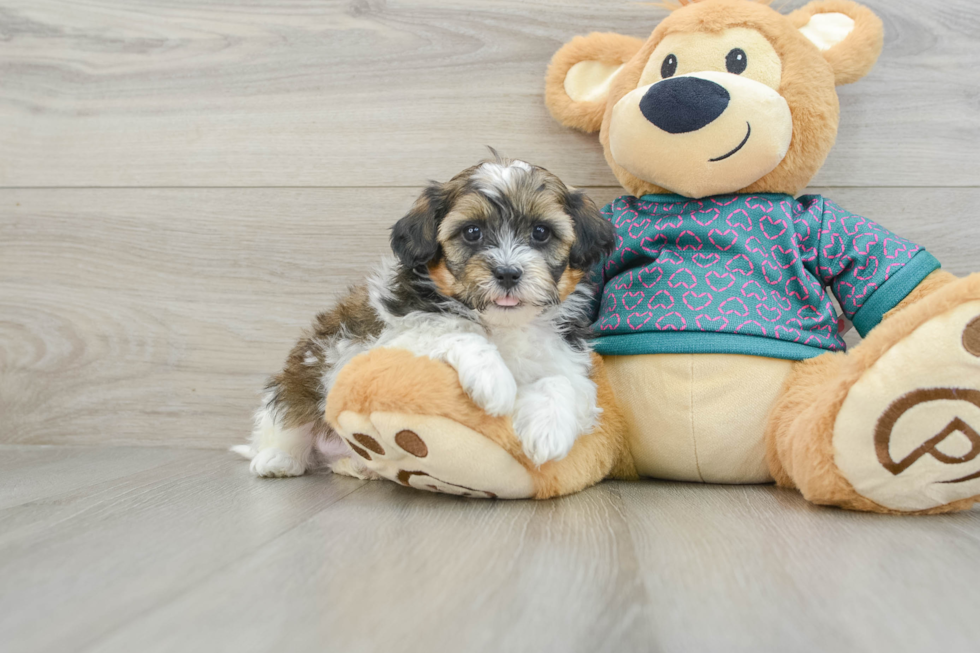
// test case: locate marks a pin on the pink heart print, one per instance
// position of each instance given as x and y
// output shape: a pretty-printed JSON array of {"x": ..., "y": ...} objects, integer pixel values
[
  {"x": 672, "y": 322},
  {"x": 772, "y": 229},
  {"x": 776, "y": 274},
  {"x": 719, "y": 282},
  {"x": 723, "y": 240},
  {"x": 753, "y": 289},
  {"x": 651, "y": 277},
  {"x": 706, "y": 260},
  {"x": 661, "y": 299},
  {"x": 653, "y": 245},
  {"x": 707, "y": 323},
  {"x": 638, "y": 228},
  {"x": 688, "y": 240},
  {"x": 706, "y": 217},
  {"x": 751, "y": 328},
  {"x": 740, "y": 219},
  {"x": 768, "y": 313},
  {"x": 772, "y": 273},
  {"x": 734, "y": 306},
  {"x": 683, "y": 278},
  {"x": 637, "y": 321},
  {"x": 697, "y": 301},
  {"x": 610, "y": 322},
  {"x": 740, "y": 264},
  {"x": 796, "y": 288},
  {"x": 633, "y": 299}
]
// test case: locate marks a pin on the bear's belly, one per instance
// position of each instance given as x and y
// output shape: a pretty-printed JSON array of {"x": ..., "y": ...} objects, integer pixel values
[{"x": 698, "y": 417}]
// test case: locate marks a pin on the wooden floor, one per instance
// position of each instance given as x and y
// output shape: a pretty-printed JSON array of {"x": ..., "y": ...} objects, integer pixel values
[
  {"x": 146, "y": 549},
  {"x": 184, "y": 183}
]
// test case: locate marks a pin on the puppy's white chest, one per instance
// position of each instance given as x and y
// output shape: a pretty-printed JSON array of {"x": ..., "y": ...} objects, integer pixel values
[{"x": 530, "y": 353}]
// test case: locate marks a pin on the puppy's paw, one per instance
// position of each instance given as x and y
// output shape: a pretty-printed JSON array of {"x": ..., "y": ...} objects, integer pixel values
[
  {"x": 276, "y": 463},
  {"x": 546, "y": 429},
  {"x": 549, "y": 417},
  {"x": 352, "y": 467},
  {"x": 491, "y": 386}
]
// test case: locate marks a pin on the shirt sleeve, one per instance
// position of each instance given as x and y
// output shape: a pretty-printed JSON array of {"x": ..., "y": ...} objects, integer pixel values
[{"x": 868, "y": 268}]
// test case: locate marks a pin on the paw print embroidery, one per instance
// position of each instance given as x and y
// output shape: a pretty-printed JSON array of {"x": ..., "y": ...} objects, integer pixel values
[{"x": 435, "y": 454}]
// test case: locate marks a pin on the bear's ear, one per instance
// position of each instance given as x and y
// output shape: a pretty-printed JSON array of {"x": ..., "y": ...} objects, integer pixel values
[
  {"x": 577, "y": 85},
  {"x": 848, "y": 35}
]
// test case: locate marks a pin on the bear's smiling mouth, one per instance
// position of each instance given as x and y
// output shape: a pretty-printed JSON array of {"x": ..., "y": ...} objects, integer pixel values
[{"x": 735, "y": 151}]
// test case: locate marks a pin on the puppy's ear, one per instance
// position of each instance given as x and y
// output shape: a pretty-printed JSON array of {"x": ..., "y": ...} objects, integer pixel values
[
  {"x": 595, "y": 236},
  {"x": 414, "y": 238}
]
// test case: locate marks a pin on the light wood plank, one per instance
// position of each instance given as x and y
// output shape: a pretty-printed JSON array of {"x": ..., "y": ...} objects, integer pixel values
[
  {"x": 372, "y": 93},
  {"x": 37, "y": 473},
  {"x": 390, "y": 568},
  {"x": 80, "y": 559},
  {"x": 195, "y": 555},
  {"x": 151, "y": 317},
  {"x": 759, "y": 569}
]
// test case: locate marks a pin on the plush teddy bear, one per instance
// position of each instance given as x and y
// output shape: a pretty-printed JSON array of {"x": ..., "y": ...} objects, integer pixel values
[{"x": 722, "y": 357}]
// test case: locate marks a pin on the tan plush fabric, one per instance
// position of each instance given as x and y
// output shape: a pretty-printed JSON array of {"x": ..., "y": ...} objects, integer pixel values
[
  {"x": 604, "y": 48},
  {"x": 801, "y": 431},
  {"x": 807, "y": 82},
  {"x": 853, "y": 58},
  {"x": 919, "y": 401},
  {"x": 435, "y": 454},
  {"x": 427, "y": 394},
  {"x": 682, "y": 164},
  {"x": 698, "y": 417}
]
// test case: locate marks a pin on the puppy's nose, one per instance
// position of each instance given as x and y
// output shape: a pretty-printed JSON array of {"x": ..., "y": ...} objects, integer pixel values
[
  {"x": 507, "y": 277},
  {"x": 681, "y": 105}
]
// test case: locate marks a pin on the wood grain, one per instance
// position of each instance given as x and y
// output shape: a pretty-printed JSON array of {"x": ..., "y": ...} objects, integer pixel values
[
  {"x": 395, "y": 569},
  {"x": 85, "y": 552},
  {"x": 151, "y": 317},
  {"x": 759, "y": 569},
  {"x": 189, "y": 553},
  {"x": 184, "y": 184},
  {"x": 374, "y": 93}
]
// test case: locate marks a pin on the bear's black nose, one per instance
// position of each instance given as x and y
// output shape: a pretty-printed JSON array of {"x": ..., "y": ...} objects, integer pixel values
[{"x": 684, "y": 104}]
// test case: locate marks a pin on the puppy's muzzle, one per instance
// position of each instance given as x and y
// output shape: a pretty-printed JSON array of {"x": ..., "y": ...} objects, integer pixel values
[
  {"x": 684, "y": 104},
  {"x": 508, "y": 276}
]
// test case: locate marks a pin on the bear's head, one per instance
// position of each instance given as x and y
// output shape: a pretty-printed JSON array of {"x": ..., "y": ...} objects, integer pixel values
[{"x": 726, "y": 96}]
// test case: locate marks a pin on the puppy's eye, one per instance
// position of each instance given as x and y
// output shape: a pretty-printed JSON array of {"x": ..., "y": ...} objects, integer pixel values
[
  {"x": 669, "y": 67},
  {"x": 472, "y": 233},
  {"x": 737, "y": 61},
  {"x": 541, "y": 234}
]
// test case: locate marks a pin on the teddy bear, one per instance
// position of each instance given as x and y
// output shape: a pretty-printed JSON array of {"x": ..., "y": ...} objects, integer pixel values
[{"x": 719, "y": 350}]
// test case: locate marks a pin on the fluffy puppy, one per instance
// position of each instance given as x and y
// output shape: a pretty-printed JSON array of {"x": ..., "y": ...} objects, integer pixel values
[{"x": 489, "y": 279}]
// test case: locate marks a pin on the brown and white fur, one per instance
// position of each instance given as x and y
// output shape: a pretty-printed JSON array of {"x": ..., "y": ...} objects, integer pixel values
[{"x": 489, "y": 278}]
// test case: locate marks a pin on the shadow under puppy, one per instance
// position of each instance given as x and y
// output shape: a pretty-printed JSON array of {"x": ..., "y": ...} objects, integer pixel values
[{"x": 489, "y": 278}]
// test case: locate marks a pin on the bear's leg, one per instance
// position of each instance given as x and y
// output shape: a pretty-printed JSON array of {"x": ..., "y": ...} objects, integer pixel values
[
  {"x": 409, "y": 420},
  {"x": 893, "y": 426}
]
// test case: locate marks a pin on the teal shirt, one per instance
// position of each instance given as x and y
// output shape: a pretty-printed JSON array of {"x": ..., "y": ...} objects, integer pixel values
[{"x": 746, "y": 274}]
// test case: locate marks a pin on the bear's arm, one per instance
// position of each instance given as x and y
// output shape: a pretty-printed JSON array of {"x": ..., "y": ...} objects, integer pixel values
[{"x": 870, "y": 269}]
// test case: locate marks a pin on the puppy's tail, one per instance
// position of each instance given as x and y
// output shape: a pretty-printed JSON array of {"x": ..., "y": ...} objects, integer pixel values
[{"x": 244, "y": 450}]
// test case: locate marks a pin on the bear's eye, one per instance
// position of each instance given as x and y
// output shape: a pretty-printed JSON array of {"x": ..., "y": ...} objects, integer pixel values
[
  {"x": 737, "y": 61},
  {"x": 669, "y": 67}
]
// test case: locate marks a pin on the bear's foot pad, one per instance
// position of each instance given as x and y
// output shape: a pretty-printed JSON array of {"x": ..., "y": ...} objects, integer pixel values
[
  {"x": 434, "y": 454},
  {"x": 908, "y": 434}
]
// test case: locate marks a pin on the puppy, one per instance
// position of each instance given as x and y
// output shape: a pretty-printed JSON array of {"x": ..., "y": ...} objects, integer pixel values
[{"x": 489, "y": 278}]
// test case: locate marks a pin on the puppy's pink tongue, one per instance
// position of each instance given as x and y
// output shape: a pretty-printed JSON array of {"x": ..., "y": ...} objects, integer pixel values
[{"x": 507, "y": 301}]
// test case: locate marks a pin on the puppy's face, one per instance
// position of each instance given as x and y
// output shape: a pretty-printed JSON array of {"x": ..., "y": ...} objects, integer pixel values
[{"x": 505, "y": 238}]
